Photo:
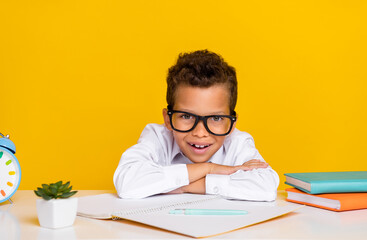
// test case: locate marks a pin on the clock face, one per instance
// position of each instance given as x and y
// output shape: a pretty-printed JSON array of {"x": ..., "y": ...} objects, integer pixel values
[{"x": 9, "y": 174}]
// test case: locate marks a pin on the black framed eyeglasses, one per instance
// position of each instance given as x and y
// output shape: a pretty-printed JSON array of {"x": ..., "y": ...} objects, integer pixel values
[{"x": 218, "y": 125}]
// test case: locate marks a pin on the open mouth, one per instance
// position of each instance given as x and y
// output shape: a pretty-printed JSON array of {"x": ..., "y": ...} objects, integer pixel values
[{"x": 199, "y": 146}]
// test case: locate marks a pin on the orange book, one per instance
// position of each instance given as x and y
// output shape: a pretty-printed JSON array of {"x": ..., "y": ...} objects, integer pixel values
[{"x": 332, "y": 201}]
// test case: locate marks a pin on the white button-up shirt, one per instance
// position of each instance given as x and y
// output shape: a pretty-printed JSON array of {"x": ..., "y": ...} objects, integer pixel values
[{"x": 156, "y": 165}]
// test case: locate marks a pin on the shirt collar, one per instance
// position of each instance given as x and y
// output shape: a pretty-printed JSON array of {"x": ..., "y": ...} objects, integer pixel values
[{"x": 175, "y": 149}]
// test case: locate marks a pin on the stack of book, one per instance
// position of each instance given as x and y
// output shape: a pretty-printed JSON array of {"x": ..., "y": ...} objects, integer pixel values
[{"x": 336, "y": 191}]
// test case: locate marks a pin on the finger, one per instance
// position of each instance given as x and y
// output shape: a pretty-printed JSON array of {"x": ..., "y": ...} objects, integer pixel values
[
  {"x": 254, "y": 166},
  {"x": 252, "y": 161},
  {"x": 245, "y": 168},
  {"x": 256, "y": 162},
  {"x": 260, "y": 164}
]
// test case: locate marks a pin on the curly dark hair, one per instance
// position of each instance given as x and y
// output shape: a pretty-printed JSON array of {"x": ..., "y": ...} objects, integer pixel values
[{"x": 201, "y": 69}]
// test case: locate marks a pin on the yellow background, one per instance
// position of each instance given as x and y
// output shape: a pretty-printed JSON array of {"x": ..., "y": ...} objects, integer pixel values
[{"x": 79, "y": 80}]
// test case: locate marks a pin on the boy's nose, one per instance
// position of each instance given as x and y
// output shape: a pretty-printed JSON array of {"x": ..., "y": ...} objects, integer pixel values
[{"x": 200, "y": 130}]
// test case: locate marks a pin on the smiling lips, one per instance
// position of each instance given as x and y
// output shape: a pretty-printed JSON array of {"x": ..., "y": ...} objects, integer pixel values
[{"x": 199, "y": 148}]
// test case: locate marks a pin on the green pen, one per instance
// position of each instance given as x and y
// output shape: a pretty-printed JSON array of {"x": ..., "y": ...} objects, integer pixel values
[{"x": 208, "y": 212}]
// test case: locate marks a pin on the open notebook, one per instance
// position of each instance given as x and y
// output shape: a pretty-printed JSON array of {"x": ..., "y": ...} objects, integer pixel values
[{"x": 154, "y": 211}]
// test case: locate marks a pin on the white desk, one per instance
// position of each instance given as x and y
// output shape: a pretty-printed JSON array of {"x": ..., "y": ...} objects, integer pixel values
[{"x": 19, "y": 221}]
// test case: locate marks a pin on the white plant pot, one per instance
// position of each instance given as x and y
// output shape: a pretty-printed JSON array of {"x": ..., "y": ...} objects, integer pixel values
[{"x": 57, "y": 213}]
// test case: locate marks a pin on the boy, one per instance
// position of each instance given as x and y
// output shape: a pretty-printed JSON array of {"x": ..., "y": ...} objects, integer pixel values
[{"x": 198, "y": 149}]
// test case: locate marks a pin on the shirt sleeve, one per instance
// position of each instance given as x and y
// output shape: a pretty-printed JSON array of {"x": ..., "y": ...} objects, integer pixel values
[
  {"x": 256, "y": 185},
  {"x": 143, "y": 170}
]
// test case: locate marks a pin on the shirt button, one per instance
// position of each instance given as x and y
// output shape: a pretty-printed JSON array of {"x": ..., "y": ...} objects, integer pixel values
[{"x": 216, "y": 190}]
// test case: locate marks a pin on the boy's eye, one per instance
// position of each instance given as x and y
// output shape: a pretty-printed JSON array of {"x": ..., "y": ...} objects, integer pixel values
[
  {"x": 217, "y": 118},
  {"x": 186, "y": 116}
]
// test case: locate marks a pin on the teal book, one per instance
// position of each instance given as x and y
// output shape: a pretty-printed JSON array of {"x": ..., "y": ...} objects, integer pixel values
[{"x": 328, "y": 182}]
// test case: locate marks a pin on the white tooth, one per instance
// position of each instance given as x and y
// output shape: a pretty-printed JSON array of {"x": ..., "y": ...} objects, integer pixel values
[{"x": 198, "y": 146}]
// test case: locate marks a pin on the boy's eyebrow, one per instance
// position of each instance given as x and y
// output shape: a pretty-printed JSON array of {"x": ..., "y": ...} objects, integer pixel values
[{"x": 213, "y": 113}]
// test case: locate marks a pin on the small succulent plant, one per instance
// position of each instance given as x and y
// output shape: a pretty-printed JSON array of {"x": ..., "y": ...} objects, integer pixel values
[{"x": 55, "y": 191}]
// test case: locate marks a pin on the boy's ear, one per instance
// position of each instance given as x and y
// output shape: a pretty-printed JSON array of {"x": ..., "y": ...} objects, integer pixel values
[
  {"x": 166, "y": 119},
  {"x": 234, "y": 124}
]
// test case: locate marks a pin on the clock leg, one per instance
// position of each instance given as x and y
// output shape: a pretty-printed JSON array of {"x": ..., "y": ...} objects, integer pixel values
[{"x": 11, "y": 202}]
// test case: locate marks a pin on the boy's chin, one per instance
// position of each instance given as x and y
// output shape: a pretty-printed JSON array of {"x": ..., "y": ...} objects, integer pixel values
[{"x": 199, "y": 159}]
